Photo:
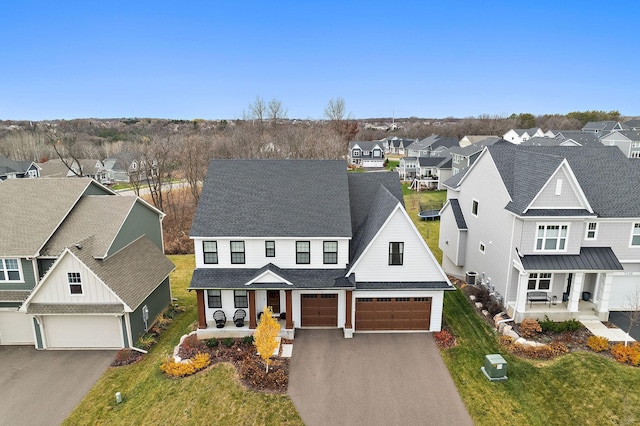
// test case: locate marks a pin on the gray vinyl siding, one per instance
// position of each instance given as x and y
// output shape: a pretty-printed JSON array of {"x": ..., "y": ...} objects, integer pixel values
[
  {"x": 94, "y": 189},
  {"x": 492, "y": 226},
  {"x": 27, "y": 276},
  {"x": 616, "y": 235},
  {"x": 140, "y": 221},
  {"x": 10, "y": 305},
  {"x": 156, "y": 302},
  {"x": 568, "y": 198},
  {"x": 575, "y": 235},
  {"x": 452, "y": 241}
]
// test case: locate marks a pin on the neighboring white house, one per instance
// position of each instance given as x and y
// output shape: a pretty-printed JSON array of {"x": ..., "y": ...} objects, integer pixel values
[
  {"x": 320, "y": 246},
  {"x": 517, "y": 136},
  {"x": 550, "y": 230},
  {"x": 473, "y": 139}
]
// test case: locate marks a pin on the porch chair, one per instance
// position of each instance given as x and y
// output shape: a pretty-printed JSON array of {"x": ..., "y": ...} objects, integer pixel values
[
  {"x": 238, "y": 317},
  {"x": 220, "y": 318}
]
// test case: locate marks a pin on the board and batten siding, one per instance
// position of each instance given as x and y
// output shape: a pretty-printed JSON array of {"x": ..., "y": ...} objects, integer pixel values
[
  {"x": 418, "y": 262},
  {"x": 492, "y": 226},
  {"x": 255, "y": 255},
  {"x": 567, "y": 198},
  {"x": 56, "y": 286},
  {"x": 140, "y": 221}
]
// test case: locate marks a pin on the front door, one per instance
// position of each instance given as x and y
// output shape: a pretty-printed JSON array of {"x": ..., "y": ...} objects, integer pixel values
[{"x": 273, "y": 300}]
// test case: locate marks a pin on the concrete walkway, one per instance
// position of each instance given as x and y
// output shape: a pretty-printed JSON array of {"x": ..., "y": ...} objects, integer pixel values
[
  {"x": 372, "y": 379},
  {"x": 597, "y": 328}
]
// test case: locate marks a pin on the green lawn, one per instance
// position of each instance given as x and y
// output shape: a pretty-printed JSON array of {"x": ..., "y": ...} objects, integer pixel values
[
  {"x": 579, "y": 388},
  {"x": 212, "y": 397}
]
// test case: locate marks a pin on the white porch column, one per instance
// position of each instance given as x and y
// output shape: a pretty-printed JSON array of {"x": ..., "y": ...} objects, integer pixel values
[
  {"x": 521, "y": 298},
  {"x": 576, "y": 291},
  {"x": 603, "y": 305}
]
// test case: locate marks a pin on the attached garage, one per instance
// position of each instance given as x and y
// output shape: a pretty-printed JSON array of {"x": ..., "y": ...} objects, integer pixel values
[
  {"x": 319, "y": 310},
  {"x": 393, "y": 313},
  {"x": 16, "y": 328},
  {"x": 83, "y": 332},
  {"x": 623, "y": 288}
]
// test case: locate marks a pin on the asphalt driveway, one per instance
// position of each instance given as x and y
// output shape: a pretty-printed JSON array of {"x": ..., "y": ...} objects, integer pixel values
[
  {"x": 43, "y": 387},
  {"x": 372, "y": 379},
  {"x": 621, "y": 319}
]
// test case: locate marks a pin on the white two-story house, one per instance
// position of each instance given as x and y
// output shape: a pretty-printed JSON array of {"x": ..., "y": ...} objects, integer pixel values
[
  {"x": 320, "y": 246},
  {"x": 550, "y": 230}
]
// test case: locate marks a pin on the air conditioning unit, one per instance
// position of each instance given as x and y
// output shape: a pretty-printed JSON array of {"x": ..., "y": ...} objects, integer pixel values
[{"x": 471, "y": 277}]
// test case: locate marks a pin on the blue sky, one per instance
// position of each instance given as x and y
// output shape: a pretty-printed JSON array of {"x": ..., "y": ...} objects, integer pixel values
[{"x": 210, "y": 59}]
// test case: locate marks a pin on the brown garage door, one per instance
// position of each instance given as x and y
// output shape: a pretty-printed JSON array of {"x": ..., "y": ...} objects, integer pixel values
[
  {"x": 319, "y": 310},
  {"x": 393, "y": 313}
]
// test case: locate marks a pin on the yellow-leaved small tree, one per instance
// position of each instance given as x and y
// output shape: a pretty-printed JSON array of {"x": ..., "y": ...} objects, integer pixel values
[{"x": 265, "y": 336}]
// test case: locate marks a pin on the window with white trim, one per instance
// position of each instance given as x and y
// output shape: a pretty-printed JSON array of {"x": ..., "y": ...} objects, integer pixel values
[
  {"x": 356, "y": 152},
  {"x": 474, "y": 208},
  {"x": 482, "y": 247},
  {"x": 539, "y": 281},
  {"x": 75, "y": 282},
  {"x": 237, "y": 251},
  {"x": 10, "y": 270},
  {"x": 592, "y": 231},
  {"x": 635, "y": 236},
  {"x": 635, "y": 154},
  {"x": 214, "y": 298},
  {"x": 270, "y": 248},
  {"x": 552, "y": 237},
  {"x": 396, "y": 253},
  {"x": 210, "y": 250},
  {"x": 303, "y": 252},
  {"x": 330, "y": 252}
]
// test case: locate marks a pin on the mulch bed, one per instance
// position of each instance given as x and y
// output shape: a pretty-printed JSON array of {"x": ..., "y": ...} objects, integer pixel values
[{"x": 244, "y": 357}]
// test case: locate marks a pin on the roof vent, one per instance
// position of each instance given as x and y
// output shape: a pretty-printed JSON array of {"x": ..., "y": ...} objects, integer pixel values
[{"x": 79, "y": 246}]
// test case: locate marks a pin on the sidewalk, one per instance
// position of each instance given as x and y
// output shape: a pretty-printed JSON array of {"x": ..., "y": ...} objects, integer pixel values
[{"x": 597, "y": 328}]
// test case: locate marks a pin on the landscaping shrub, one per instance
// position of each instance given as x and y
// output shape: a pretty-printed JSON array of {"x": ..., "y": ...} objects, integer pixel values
[
  {"x": 247, "y": 340},
  {"x": 228, "y": 342},
  {"x": 559, "y": 327},
  {"x": 444, "y": 339},
  {"x": 146, "y": 341},
  {"x": 126, "y": 357},
  {"x": 529, "y": 328},
  {"x": 598, "y": 343},
  {"x": 494, "y": 308},
  {"x": 505, "y": 341},
  {"x": 211, "y": 343},
  {"x": 181, "y": 369},
  {"x": 539, "y": 352},
  {"x": 626, "y": 354},
  {"x": 191, "y": 346}
]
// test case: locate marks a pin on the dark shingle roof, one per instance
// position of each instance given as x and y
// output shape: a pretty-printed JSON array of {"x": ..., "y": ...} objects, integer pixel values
[
  {"x": 432, "y": 161},
  {"x": 457, "y": 213},
  {"x": 601, "y": 126},
  {"x": 234, "y": 278},
  {"x": 583, "y": 138},
  {"x": 402, "y": 285},
  {"x": 475, "y": 147},
  {"x": 362, "y": 192},
  {"x": 382, "y": 206},
  {"x": 274, "y": 198},
  {"x": 589, "y": 259},
  {"x": 602, "y": 172}
]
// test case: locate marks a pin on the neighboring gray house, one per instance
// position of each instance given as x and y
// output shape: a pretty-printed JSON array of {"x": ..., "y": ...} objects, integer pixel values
[
  {"x": 80, "y": 266},
  {"x": 549, "y": 230},
  {"x": 328, "y": 249},
  {"x": 126, "y": 167},
  {"x": 366, "y": 154},
  {"x": 579, "y": 136},
  {"x": 631, "y": 125},
  {"x": 464, "y": 156},
  {"x": 12, "y": 169},
  {"x": 627, "y": 140},
  {"x": 602, "y": 127},
  {"x": 426, "y": 147},
  {"x": 396, "y": 145},
  {"x": 82, "y": 168}
]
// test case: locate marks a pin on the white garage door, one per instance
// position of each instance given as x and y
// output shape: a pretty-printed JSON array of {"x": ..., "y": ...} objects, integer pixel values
[
  {"x": 622, "y": 289},
  {"x": 16, "y": 328},
  {"x": 83, "y": 332}
]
